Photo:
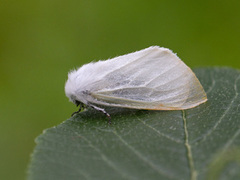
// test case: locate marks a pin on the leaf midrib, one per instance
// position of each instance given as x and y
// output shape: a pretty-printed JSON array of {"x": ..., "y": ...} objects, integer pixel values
[{"x": 193, "y": 171}]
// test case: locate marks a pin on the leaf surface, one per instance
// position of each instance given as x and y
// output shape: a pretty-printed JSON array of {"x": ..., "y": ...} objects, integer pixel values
[{"x": 195, "y": 144}]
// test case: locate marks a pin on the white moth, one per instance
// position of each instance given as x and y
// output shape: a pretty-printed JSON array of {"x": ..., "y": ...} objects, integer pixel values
[{"x": 153, "y": 78}]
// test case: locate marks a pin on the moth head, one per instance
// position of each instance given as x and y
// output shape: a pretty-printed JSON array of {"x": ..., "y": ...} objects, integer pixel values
[{"x": 70, "y": 88}]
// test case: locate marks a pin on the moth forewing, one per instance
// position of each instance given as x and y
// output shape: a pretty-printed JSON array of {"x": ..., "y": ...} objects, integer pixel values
[{"x": 153, "y": 78}]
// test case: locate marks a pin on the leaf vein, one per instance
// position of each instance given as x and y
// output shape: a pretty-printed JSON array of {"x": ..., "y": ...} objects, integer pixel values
[
  {"x": 193, "y": 172},
  {"x": 105, "y": 159},
  {"x": 217, "y": 156},
  {"x": 230, "y": 141},
  {"x": 160, "y": 133},
  {"x": 212, "y": 85},
  {"x": 143, "y": 158},
  {"x": 223, "y": 115}
]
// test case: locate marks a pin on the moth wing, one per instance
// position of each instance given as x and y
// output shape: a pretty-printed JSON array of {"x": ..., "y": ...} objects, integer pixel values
[{"x": 157, "y": 80}]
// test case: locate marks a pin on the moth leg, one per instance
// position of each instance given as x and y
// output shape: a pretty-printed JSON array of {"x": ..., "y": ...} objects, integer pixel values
[
  {"x": 80, "y": 108},
  {"x": 103, "y": 111}
]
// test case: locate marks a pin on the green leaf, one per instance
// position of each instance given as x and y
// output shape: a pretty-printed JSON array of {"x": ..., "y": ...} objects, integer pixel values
[{"x": 196, "y": 144}]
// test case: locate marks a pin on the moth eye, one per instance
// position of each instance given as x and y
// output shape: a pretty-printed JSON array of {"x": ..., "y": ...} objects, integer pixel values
[{"x": 86, "y": 92}]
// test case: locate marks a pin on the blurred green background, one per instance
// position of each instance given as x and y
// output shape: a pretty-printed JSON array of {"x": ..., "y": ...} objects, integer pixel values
[{"x": 40, "y": 41}]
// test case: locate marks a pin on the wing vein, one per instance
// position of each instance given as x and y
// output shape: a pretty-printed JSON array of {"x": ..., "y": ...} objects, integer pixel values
[
  {"x": 162, "y": 74},
  {"x": 127, "y": 64}
]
